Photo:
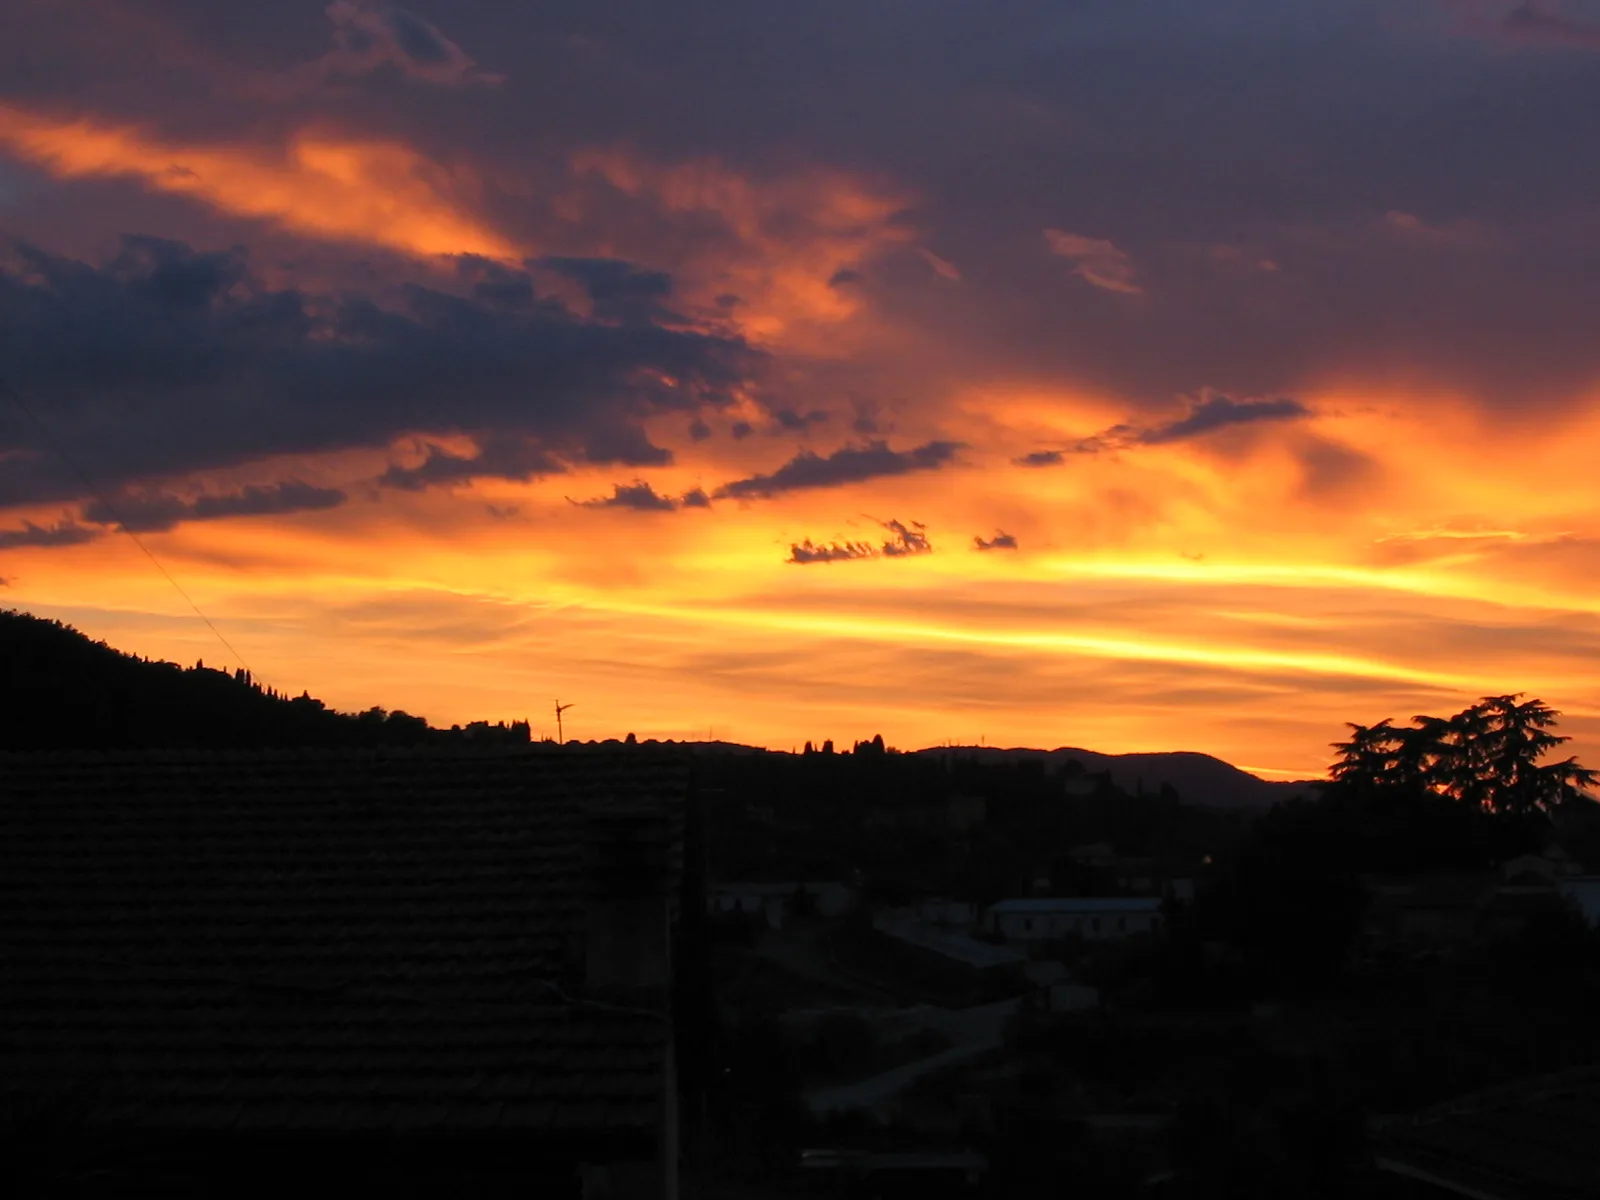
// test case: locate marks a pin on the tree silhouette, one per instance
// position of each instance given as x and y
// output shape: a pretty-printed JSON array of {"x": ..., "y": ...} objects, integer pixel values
[
  {"x": 1486, "y": 757},
  {"x": 59, "y": 690}
]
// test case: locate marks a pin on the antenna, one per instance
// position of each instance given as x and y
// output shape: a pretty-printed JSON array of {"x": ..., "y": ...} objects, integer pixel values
[{"x": 561, "y": 738}]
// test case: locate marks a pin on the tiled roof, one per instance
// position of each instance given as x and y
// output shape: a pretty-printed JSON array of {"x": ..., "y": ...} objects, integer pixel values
[
  {"x": 1536, "y": 1140},
  {"x": 323, "y": 940}
]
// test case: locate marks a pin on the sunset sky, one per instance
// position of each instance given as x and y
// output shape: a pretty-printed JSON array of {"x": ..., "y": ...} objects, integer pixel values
[{"x": 1134, "y": 376}]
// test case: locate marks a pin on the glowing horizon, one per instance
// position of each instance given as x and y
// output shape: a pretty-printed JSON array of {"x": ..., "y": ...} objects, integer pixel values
[{"x": 447, "y": 387}]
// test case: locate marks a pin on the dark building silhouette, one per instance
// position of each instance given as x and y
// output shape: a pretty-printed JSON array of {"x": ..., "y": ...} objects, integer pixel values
[{"x": 402, "y": 972}]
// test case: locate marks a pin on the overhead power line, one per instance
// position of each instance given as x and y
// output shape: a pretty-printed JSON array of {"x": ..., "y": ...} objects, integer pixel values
[{"x": 111, "y": 510}]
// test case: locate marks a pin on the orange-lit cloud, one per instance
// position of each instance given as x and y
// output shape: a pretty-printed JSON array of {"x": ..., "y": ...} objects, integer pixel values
[
  {"x": 1095, "y": 260},
  {"x": 425, "y": 485},
  {"x": 1181, "y": 597},
  {"x": 784, "y": 240},
  {"x": 320, "y": 185}
]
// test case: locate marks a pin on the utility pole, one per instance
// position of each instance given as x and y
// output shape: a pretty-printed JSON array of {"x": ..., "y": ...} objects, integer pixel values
[{"x": 561, "y": 737}]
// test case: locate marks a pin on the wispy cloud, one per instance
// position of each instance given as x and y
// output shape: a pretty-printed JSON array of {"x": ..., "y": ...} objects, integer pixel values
[
  {"x": 1528, "y": 22},
  {"x": 373, "y": 37},
  {"x": 905, "y": 540},
  {"x": 156, "y": 511},
  {"x": 853, "y": 464},
  {"x": 1041, "y": 458},
  {"x": 511, "y": 458},
  {"x": 814, "y": 552},
  {"x": 1000, "y": 541},
  {"x": 65, "y": 532},
  {"x": 943, "y": 268},
  {"x": 1094, "y": 260},
  {"x": 1214, "y": 412},
  {"x": 1206, "y": 415}
]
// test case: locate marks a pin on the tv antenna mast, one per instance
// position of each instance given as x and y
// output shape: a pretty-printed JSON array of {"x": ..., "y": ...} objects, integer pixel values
[{"x": 561, "y": 739}]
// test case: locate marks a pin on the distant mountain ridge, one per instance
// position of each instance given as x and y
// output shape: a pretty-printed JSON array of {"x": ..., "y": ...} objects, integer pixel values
[
  {"x": 61, "y": 690},
  {"x": 1197, "y": 778}
]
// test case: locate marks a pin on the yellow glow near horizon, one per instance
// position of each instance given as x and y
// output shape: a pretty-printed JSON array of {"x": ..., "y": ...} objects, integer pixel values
[{"x": 1242, "y": 593}]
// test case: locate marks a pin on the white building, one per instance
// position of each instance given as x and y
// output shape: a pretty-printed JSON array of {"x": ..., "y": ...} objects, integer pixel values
[{"x": 1094, "y": 918}]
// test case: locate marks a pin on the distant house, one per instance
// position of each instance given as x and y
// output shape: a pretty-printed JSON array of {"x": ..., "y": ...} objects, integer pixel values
[
  {"x": 1582, "y": 892},
  {"x": 1435, "y": 911},
  {"x": 1512, "y": 909},
  {"x": 1093, "y": 854},
  {"x": 1094, "y": 918},
  {"x": 1097, "y": 863},
  {"x": 1546, "y": 867},
  {"x": 402, "y": 972},
  {"x": 775, "y": 902}
]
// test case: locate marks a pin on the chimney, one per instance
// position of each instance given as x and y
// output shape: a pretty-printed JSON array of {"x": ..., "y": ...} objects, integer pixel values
[{"x": 627, "y": 904}]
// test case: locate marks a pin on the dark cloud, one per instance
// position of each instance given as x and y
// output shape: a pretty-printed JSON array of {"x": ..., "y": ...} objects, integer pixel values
[
  {"x": 514, "y": 459},
  {"x": 618, "y": 290},
  {"x": 496, "y": 284},
  {"x": 373, "y": 37},
  {"x": 1206, "y": 415},
  {"x": 845, "y": 277},
  {"x": 1041, "y": 458},
  {"x": 155, "y": 511},
  {"x": 1216, "y": 412},
  {"x": 65, "y": 532},
  {"x": 639, "y": 496},
  {"x": 1301, "y": 124},
  {"x": 811, "y": 552},
  {"x": 699, "y": 430},
  {"x": 741, "y": 430},
  {"x": 866, "y": 420},
  {"x": 166, "y": 361},
  {"x": 624, "y": 445},
  {"x": 1000, "y": 541},
  {"x": 853, "y": 464},
  {"x": 905, "y": 540},
  {"x": 788, "y": 418}
]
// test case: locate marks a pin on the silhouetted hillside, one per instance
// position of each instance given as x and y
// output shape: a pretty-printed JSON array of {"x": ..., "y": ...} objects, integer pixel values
[
  {"x": 59, "y": 690},
  {"x": 1198, "y": 778}
]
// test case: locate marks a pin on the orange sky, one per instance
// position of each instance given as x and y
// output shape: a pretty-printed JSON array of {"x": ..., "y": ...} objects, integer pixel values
[{"x": 1399, "y": 541}]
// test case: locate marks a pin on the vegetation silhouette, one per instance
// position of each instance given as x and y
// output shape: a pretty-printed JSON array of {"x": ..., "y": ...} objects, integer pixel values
[{"x": 59, "y": 690}]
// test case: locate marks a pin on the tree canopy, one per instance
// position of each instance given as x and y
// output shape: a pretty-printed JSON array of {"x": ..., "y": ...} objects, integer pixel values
[{"x": 1485, "y": 757}]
